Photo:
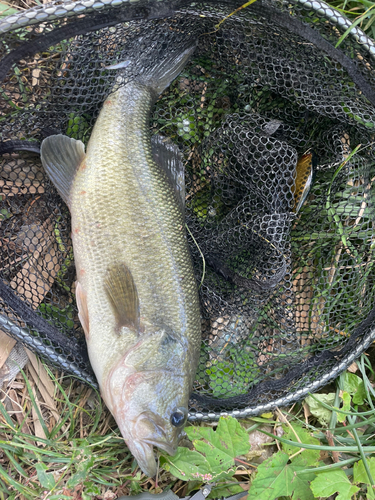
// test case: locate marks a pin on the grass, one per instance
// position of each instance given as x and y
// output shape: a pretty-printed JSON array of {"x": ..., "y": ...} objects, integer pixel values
[
  {"x": 64, "y": 449},
  {"x": 82, "y": 456},
  {"x": 360, "y": 12},
  {"x": 57, "y": 440}
]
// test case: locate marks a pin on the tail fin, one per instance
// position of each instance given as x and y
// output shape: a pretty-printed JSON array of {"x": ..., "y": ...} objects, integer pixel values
[{"x": 160, "y": 76}]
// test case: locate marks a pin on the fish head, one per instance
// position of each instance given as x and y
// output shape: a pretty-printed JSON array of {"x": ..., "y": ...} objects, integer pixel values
[{"x": 150, "y": 406}]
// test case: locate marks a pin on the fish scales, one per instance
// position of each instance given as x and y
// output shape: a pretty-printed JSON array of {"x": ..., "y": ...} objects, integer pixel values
[
  {"x": 131, "y": 192},
  {"x": 136, "y": 292}
]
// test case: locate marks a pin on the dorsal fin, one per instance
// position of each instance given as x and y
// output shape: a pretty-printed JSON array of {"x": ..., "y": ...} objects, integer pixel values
[
  {"x": 61, "y": 156},
  {"x": 123, "y": 295},
  {"x": 168, "y": 156}
]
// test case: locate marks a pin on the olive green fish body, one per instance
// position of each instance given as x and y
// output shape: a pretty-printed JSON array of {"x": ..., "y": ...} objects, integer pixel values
[
  {"x": 136, "y": 291},
  {"x": 134, "y": 218}
]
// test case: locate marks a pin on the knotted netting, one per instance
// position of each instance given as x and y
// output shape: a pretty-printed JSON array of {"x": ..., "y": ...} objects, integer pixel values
[{"x": 276, "y": 129}]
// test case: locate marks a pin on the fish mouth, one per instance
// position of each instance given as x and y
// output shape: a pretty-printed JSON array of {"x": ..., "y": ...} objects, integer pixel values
[
  {"x": 156, "y": 435},
  {"x": 144, "y": 454},
  {"x": 171, "y": 450},
  {"x": 141, "y": 439}
]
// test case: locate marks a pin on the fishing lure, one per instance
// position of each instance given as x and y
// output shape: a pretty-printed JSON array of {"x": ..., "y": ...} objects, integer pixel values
[{"x": 305, "y": 173}]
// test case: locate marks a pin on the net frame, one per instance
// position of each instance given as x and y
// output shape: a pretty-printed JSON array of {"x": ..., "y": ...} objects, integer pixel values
[{"x": 67, "y": 9}]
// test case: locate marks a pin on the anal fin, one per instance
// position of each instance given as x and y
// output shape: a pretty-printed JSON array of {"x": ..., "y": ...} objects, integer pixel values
[{"x": 122, "y": 292}]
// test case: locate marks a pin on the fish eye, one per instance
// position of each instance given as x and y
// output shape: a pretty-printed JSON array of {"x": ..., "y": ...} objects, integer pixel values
[{"x": 179, "y": 417}]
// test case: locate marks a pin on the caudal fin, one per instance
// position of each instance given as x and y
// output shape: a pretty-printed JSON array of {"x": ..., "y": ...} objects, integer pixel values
[
  {"x": 162, "y": 74},
  {"x": 164, "y": 69}
]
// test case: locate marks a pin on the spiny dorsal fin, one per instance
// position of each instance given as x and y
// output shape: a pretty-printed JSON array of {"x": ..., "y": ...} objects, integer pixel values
[
  {"x": 83, "y": 313},
  {"x": 61, "y": 156},
  {"x": 168, "y": 156},
  {"x": 123, "y": 295}
]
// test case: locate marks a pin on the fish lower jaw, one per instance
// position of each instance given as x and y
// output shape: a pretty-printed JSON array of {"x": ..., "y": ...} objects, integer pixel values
[
  {"x": 144, "y": 454},
  {"x": 143, "y": 451},
  {"x": 163, "y": 446}
]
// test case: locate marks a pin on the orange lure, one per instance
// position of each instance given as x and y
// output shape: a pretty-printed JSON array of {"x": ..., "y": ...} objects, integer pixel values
[{"x": 305, "y": 170}]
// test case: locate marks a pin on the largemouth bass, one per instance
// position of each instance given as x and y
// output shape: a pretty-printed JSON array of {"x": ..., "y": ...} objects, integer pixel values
[{"x": 136, "y": 291}]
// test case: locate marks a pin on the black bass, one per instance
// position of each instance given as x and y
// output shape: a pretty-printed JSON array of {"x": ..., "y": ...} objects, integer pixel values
[{"x": 136, "y": 291}]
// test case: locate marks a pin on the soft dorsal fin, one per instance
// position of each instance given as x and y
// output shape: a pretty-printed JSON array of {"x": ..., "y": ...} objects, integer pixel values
[
  {"x": 123, "y": 295},
  {"x": 168, "y": 156},
  {"x": 61, "y": 156}
]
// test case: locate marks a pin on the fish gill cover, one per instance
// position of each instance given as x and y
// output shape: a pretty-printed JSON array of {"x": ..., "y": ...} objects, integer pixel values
[{"x": 275, "y": 126}]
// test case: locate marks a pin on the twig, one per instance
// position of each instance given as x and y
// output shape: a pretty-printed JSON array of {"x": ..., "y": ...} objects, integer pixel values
[
  {"x": 217, "y": 26},
  {"x": 200, "y": 251},
  {"x": 286, "y": 421}
]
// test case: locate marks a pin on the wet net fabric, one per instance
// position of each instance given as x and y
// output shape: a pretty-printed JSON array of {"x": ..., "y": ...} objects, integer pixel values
[{"x": 266, "y": 108}]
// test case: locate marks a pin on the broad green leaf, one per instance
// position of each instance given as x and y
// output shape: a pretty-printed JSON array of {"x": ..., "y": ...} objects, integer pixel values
[
  {"x": 215, "y": 452},
  {"x": 229, "y": 437},
  {"x": 302, "y": 488},
  {"x": 351, "y": 383},
  {"x": 322, "y": 414},
  {"x": 187, "y": 465},
  {"x": 359, "y": 472},
  {"x": 334, "y": 481},
  {"x": 46, "y": 479},
  {"x": 275, "y": 478},
  {"x": 346, "y": 399},
  {"x": 370, "y": 494},
  {"x": 360, "y": 396},
  {"x": 221, "y": 446},
  {"x": 310, "y": 457}
]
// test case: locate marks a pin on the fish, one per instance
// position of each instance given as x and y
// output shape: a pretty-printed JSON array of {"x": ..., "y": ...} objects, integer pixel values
[{"x": 136, "y": 291}]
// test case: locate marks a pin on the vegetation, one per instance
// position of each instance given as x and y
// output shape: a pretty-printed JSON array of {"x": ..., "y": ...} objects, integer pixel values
[
  {"x": 320, "y": 447},
  {"x": 57, "y": 441}
]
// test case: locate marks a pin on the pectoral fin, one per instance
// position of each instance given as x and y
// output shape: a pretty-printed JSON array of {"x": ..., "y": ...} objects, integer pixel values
[
  {"x": 83, "y": 313},
  {"x": 61, "y": 156},
  {"x": 123, "y": 295}
]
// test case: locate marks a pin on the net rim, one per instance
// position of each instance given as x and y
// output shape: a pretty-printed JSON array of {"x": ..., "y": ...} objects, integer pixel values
[
  {"x": 68, "y": 8},
  {"x": 292, "y": 397},
  {"x": 209, "y": 416},
  {"x": 59, "y": 10}
]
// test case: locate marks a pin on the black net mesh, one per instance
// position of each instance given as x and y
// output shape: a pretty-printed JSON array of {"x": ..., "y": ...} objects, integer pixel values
[{"x": 266, "y": 108}]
